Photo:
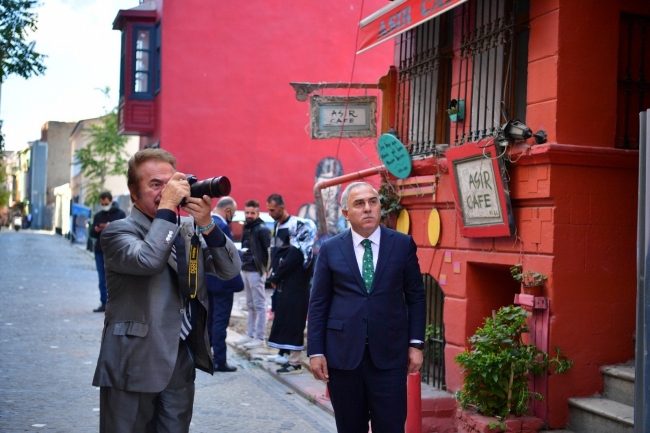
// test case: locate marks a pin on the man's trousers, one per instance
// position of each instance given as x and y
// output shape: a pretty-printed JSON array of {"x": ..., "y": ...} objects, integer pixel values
[{"x": 169, "y": 411}]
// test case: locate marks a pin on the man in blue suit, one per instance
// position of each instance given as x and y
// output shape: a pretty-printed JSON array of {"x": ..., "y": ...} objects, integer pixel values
[
  {"x": 366, "y": 317},
  {"x": 221, "y": 293}
]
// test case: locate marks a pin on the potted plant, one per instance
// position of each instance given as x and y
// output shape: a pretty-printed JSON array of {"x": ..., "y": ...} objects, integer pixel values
[
  {"x": 498, "y": 366},
  {"x": 531, "y": 282}
]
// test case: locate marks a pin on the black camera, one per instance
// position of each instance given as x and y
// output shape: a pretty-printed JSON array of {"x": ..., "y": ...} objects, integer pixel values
[{"x": 213, "y": 187}]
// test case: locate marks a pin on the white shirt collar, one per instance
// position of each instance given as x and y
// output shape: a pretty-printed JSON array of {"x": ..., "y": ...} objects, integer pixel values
[
  {"x": 357, "y": 238},
  {"x": 220, "y": 217}
]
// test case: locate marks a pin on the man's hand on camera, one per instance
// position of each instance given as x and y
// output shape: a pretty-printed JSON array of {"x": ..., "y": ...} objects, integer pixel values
[
  {"x": 176, "y": 190},
  {"x": 199, "y": 209}
]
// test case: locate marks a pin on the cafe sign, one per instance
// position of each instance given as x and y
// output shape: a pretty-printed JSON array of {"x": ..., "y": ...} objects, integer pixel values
[
  {"x": 481, "y": 193},
  {"x": 340, "y": 116}
]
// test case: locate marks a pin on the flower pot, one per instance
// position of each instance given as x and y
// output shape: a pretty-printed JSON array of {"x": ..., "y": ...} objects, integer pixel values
[
  {"x": 469, "y": 421},
  {"x": 531, "y": 290}
]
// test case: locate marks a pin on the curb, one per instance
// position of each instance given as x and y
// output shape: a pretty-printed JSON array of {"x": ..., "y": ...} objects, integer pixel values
[{"x": 303, "y": 384}]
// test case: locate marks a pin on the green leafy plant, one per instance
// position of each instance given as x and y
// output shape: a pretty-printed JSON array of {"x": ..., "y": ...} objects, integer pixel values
[
  {"x": 434, "y": 351},
  {"x": 499, "y": 364},
  {"x": 527, "y": 278},
  {"x": 390, "y": 201}
]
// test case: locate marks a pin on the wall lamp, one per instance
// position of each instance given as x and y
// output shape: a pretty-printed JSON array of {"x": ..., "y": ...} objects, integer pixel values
[{"x": 515, "y": 130}]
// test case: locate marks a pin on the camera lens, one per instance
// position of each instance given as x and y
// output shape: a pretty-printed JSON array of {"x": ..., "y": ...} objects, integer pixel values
[
  {"x": 219, "y": 186},
  {"x": 213, "y": 187}
]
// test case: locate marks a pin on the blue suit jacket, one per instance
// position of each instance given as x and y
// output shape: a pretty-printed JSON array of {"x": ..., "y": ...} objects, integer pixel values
[
  {"x": 216, "y": 285},
  {"x": 342, "y": 313}
]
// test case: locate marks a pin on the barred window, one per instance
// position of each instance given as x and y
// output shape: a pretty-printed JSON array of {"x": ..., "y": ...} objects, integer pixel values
[
  {"x": 483, "y": 74},
  {"x": 424, "y": 78},
  {"x": 491, "y": 74},
  {"x": 633, "y": 89}
]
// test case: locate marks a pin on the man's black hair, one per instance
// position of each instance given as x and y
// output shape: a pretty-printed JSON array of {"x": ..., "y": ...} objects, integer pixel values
[
  {"x": 276, "y": 198},
  {"x": 107, "y": 195}
]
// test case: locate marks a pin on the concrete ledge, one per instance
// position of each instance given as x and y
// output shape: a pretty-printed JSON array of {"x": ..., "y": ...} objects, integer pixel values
[
  {"x": 556, "y": 431},
  {"x": 605, "y": 408},
  {"x": 304, "y": 384},
  {"x": 623, "y": 372}
]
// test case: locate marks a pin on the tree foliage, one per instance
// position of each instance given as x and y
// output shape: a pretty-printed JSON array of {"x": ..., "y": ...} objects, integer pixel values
[
  {"x": 104, "y": 155},
  {"x": 2, "y": 142},
  {"x": 17, "y": 56},
  {"x": 4, "y": 193}
]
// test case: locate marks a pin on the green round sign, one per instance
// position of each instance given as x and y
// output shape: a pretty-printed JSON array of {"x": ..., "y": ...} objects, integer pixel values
[{"x": 394, "y": 156}]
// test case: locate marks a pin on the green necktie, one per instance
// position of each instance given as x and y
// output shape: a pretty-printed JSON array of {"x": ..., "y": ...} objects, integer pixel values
[{"x": 368, "y": 266}]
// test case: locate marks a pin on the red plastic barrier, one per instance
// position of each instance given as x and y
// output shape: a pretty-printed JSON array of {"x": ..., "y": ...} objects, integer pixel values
[{"x": 413, "y": 404}]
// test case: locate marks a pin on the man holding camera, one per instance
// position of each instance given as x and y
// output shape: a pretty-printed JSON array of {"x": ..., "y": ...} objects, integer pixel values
[{"x": 155, "y": 324}]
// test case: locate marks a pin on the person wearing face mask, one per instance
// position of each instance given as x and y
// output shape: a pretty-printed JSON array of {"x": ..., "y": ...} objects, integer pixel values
[{"x": 109, "y": 212}]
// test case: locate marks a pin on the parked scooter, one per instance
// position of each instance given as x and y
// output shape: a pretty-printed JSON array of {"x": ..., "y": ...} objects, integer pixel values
[{"x": 18, "y": 222}]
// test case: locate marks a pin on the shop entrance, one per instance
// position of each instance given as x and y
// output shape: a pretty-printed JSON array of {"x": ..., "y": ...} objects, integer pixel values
[{"x": 489, "y": 287}]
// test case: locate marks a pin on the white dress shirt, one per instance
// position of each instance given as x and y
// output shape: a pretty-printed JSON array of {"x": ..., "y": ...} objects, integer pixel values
[{"x": 359, "y": 249}]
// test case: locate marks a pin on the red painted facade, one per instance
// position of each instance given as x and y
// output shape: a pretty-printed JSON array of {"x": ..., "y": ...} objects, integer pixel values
[
  {"x": 225, "y": 106},
  {"x": 574, "y": 205}
]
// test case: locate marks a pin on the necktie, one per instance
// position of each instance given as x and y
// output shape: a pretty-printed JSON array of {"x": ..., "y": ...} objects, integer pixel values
[
  {"x": 178, "y": 253},
  {"x": 368, "y": 266}
]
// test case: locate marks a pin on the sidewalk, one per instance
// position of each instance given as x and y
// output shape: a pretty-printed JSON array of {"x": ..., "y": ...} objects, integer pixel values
[{"x": 304, "y": 383}]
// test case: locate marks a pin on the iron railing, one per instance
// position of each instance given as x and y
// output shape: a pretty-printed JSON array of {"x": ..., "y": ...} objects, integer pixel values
[
  {"x": 423, "y": 65},
  {"x": 490, "y": 74},
  {"x": 633, "y": 86},
  {"x": 433, "y": 366},
  {"x": 492, "y": 71}
]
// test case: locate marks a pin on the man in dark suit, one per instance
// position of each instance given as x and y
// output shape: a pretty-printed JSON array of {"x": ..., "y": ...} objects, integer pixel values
[
  {"x": 221, "y": 293},
  {"x": 366, "y": 317},
  {"x": 155, "y": 323}
]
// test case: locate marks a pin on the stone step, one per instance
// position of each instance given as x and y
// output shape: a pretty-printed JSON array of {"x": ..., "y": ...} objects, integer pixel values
[
  {"x": 600, "y": 415},
  {"x": 619, "y": 383},
  {"x": 556, "y": 431}
]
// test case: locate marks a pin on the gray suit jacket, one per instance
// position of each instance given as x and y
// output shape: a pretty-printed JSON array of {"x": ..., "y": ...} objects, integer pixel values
[{"x": 145, "y": 308}]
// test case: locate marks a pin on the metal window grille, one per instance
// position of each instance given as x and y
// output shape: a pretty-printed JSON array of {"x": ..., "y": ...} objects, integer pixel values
[
  {"x": 422, "y": 65},
  {"x": 492, "y": 69},
  {"x": 633, "y": 87},
  {"x": 433, "y": 366}
]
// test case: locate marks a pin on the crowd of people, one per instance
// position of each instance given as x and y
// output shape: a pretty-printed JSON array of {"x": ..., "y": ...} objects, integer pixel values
[{"x": 167, "y": 287}]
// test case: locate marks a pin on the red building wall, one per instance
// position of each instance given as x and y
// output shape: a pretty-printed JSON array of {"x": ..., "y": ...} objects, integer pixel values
[
  {"x": 226, "y": 107},
  {"x": 574, "y": 205}
]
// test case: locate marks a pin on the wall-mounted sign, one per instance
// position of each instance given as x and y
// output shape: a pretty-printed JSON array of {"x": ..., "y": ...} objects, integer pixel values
[
  {"x": 399, "y": 17},
  {"x": 338, "y": 116},
  {"x": 482, "y": 194},
  {"x": 394, "y": 155}
]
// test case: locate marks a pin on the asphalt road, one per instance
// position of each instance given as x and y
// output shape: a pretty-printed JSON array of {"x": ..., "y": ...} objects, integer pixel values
[{"x": 49, "y": 342}]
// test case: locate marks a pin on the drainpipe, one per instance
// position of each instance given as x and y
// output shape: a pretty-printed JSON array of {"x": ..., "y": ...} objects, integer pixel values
[{"x": 320, "y": 208}]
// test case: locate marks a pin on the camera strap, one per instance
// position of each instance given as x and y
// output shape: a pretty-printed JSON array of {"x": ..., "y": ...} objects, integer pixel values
[{"x": 188, "y": 270}]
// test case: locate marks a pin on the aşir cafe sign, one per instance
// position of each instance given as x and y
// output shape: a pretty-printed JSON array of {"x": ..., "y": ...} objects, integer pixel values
[
  {"x": 481, "y": 194},
  {"x": 398, "y": 17}
]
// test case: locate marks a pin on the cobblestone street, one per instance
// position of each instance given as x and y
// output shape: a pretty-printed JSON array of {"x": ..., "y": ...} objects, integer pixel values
[{"x": 49, "y": 342}]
